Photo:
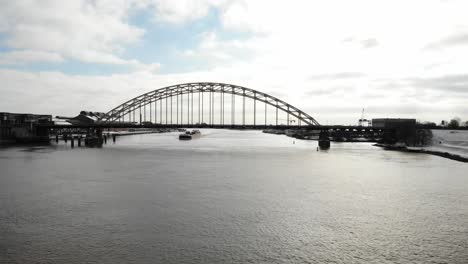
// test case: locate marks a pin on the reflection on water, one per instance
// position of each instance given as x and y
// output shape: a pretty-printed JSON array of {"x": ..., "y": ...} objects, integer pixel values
[{"x": 230, "y": 197}]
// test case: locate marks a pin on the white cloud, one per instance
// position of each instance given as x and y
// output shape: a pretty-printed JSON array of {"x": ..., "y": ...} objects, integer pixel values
[
  {"x": 303, "y": 51},
  {"x": 182, "y": 11},
  {"x": 90, "y": 31},
  {"x": 28, "y": 56},
  {"x": 333, "y": 101},
  {"x": 311, "y": 34},
  {"x": 218, "y": 52}
]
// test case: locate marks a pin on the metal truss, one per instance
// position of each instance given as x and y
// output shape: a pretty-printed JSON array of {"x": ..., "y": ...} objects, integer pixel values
[{"x": 119, "y": 112}]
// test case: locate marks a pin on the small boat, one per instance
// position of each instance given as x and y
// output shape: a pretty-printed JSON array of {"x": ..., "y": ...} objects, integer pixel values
[
  {"x": 185, "y": 136},
  {"x": 190, "y": 135}
]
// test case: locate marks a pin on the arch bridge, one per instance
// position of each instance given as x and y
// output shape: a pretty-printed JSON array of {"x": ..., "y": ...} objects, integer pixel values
[{"x": 207, "y": 104}]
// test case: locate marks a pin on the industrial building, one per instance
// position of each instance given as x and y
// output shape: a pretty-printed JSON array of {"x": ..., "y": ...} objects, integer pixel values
[
  {"x": 85, "y": 117},
  {"x": 404, "y": 129},
  {"x": 20, "y": 127}
]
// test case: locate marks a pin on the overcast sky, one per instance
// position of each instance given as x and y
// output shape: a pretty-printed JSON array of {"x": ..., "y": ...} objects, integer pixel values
[{"x": 329, "y": 58}]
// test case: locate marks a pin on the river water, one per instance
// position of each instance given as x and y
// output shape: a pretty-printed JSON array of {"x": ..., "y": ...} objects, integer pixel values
[{"x": 230, "y": 197}]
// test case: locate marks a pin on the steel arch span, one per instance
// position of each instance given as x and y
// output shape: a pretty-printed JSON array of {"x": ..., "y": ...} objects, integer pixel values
[{"x": 129, "y": 108}]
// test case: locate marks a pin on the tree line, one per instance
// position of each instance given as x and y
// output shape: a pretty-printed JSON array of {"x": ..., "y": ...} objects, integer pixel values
[{"x": 454, "y": 123}]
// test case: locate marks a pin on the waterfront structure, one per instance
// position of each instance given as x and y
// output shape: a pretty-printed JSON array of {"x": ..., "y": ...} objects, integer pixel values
[
  {"x": 21, "y": 127},
  {"x": 393, "y": 122},
  {"x": 85, "y": 117},
  {"x": 403, "y": 129}
]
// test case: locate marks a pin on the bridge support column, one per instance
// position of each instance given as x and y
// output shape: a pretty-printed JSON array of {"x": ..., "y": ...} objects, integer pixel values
[
  {"x": 72, "y": 142},
  {"x": 276, "y": 112},
  {"x": 79, "y": 141},
  {"x": 255, "y": 109},
  {"x": 233, "y": 108},
  {"x": 56, "y": 138},
  {"x": 113, "y": 138},
  {"x": 221, "y": 109},
  {"x": 324, "y": 140},
  {"x": 243, "y": 107}
]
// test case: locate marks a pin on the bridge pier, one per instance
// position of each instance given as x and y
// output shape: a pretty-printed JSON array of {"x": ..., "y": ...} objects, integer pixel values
[
  {"x": 324, "y": 139},
  {"x": 79, "y": 141},
  {"x": 72, "y": 142}
]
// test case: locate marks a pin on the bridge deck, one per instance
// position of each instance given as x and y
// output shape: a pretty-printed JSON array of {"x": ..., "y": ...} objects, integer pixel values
[{"x": 260, "y": 127}]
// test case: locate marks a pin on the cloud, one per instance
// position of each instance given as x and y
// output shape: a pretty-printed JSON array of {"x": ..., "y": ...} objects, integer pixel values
[
  {"x": 448, "y": 84},
  {"x": 365, "y": 43},
  {"x": 61, "y": 94},
  {"x": 318, "y": 57},
  {"x": 215, "y": 52},
  {"x": 183, "y": 11},
  {"x": 28, "y": 56},
  {"x": 331, "y": 91},
  {"x": 241, "y": 16},
  {"x": 369, "y": 43},
  {"x": 459, "y": 39},
  {"x": 89, "y": 31},
  {"x": 337, "y": 76}
]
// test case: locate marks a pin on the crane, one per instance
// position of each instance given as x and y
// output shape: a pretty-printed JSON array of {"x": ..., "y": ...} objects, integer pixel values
[{"x": 363, "y": 121}]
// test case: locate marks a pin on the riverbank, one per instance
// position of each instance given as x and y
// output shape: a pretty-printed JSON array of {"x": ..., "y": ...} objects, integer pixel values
[
  {"x": 424, "y": 151},
  {"x": 335, "y": 136},
  {"x": 450, "y": 144}
]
